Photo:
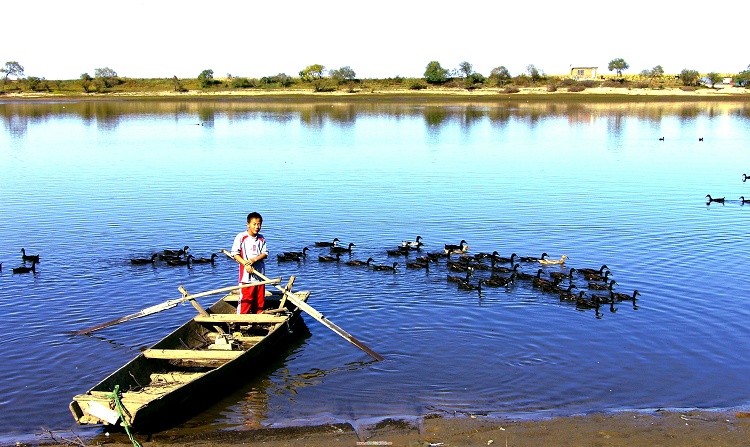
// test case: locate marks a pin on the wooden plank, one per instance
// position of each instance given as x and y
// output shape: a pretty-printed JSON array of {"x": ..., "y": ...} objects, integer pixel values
[
  {"x": 188, "y": 354},
  {"x": 175, "y": 377},
  {"x": 241, "y": 338},
  {"x": 240, "y": 318},
  {"x": 234, "y": 297}
]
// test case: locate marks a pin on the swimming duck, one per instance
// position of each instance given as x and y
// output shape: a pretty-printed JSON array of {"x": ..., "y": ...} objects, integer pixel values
[
  {"x": 553, "y": 261},
  {"x": 24, "y": 269},
  {"x": 343, "y": 249},
  {"x": 296, "y": 254},
  {"x": 466, "y": 285},
  {"x": 711, "y": 199},
  {"x": 600, "y": 271},
  {"x": 559, "y": 276},
  {"x": 386, "y": 268},
  {"x": 499, "y": 259},
  {"x": 400, "y": 251},
  {"x": 413, "y": 245},
  {"x": 417, "y": 264},
  {"x": 532, "y": 258},
  {"x": 458, "y": 251},
  {"x": 327, "y": 244},
  {"x": 177, "y": 253},
  {"x": 180, "y": 262},
  {"x": 337, "y": 258},
  {"x": 30, "y": 258},
  {"x": 143, "y": 261},
  {"x": 449, "y": 248},
  {"x": 542, "y": 283},
  {"x": 452, "y": 278},
  {"x": 457, "y": 266},
  {"x": 567, "y": 294},
  {"x": 499, "y": 281},
  {"x": 355, "y": 262},
  {"x": 584, "y": 303},
  {"x": 602, "y": 286},
  {"x": 211, "y": 260},
  {"x": 661, "y": 138},
  {"x": 496, "y": 269},
  {"x": 624, "y": 296}
]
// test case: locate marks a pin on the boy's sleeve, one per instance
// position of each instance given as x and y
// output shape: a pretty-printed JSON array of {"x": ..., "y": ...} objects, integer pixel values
[{"x": 236, "y": 245}]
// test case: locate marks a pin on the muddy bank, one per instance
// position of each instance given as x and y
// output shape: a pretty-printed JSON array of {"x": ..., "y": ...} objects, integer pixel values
[{"x": 658, "y": 428}]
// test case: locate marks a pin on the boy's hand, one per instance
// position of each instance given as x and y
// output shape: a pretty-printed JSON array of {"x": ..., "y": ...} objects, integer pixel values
[{"x": 249, "y": 266}]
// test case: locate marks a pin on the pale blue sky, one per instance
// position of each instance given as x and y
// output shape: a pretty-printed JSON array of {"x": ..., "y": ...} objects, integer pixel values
[{"x": 383, "y": 38}]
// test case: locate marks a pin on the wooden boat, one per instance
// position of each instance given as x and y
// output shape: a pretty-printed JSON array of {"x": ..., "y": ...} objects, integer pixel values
[{"x": 193, "y": 365}]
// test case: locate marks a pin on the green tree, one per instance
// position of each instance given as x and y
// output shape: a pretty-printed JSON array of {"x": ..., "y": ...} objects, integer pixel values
[
  {"x": 714, "y": 78},
  {"x": 434, "y": 73},
  {"x": 689, "y": 77},
  {"x": 207, "y": 78},
  {"x": 535, "y": 74},
  {"x": 657, "y": 72},
  {"x": 500, "y": 75},
  {"x": 343, "y": 74},
  {"x": 743, "y": 77},
  {"x": 106, "y": 77},
  {"x": 86, "y": 82},
  {"x": 618, "y": 65},
  {"x": 11, "y": 68},
  {"x": 312, "y": 72},
  {"x": 466, "y": 68}
]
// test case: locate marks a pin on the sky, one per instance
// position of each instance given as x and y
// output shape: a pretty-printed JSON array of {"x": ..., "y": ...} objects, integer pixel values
[{"x": 377, "y": 39}]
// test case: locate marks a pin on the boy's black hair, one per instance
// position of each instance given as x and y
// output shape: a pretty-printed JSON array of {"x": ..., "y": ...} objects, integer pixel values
[{"x": 254, "y": 215}]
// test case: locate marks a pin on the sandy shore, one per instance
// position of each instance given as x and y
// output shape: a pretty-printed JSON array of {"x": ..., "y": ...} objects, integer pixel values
[
  {"x": 658, "y": 428},
  {"x": 724, "y": 92}
]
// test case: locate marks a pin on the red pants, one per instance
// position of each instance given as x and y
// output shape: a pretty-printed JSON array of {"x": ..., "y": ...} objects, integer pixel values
[{"x": 252, "y": 299}]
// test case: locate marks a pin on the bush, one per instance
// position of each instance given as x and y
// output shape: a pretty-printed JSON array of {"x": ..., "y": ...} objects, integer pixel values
[
  {"x": 416, "y": 84},
  {"x": 551, "y": 88},
  {"x": 511, "y": 89},
  {"x": 590, "y": 83},
  {"x": 242, "y": 83},
  {"x": 576, "y": 88},
  {"x": 324, "y": 85}
]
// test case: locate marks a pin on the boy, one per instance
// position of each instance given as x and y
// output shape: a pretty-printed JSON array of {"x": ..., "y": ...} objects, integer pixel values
[{"x": 249, "y": 249}]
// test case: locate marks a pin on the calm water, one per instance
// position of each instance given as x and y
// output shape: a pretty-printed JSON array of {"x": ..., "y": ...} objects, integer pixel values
[{"x": 90, "y": 184}]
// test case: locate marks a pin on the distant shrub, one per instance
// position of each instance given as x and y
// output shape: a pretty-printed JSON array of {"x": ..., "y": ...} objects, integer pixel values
[
  {"x": 511, "y": 89},
  {"x": 687, "y": 88},
  {"x": 615, "y": 83},
  {"x": 567, "y": 82},
  {"x": 551, "y": 88},
  {"x": 590, "y": 83},
  {"x": 416, "y": 84},
  {"x": 641, "y": 85},
  {"x": 324, "y": 85},
  {"x": 242, "y": 83},
  {"x": 577, "y": 88}
]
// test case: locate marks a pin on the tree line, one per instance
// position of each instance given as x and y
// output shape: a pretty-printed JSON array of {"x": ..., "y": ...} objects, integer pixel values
[{"x": 322, "y": 79}]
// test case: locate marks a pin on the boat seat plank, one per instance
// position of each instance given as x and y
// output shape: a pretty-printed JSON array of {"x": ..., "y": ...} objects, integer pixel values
[
  {"x": 240, "y": 318},
  {"x": 189, "y": 354}
]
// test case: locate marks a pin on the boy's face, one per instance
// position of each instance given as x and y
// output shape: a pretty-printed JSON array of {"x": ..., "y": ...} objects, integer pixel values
[{"x": 253, "y": 227}]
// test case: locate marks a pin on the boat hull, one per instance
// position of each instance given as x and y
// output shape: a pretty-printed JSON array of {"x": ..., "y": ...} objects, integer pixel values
[{"x": 191, "y": 367}]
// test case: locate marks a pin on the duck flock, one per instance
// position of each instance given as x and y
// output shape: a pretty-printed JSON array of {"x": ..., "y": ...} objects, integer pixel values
[
  {"x": 583, "y": 287},
  {"x": 722, "y": 200},
  {"x": 175, "y": 258},
  {"x": 23, "y": 268}
]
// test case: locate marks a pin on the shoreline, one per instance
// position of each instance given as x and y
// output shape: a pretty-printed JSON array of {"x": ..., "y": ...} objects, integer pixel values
[
  {"x": 603, "y": 94},
  {"x": 657, "y": 428}
]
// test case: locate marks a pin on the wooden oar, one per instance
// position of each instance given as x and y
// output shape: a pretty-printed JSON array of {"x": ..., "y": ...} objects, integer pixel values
[
  {"x": 170, "y": 304},
  {"x": 299, "y": 302}
]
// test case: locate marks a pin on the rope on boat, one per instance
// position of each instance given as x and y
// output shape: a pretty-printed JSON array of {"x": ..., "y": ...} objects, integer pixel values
[{"x": 121, "y": 412}]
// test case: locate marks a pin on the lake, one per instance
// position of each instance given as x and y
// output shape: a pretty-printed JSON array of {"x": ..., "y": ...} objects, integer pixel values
[{"x": 88, "y": 185}]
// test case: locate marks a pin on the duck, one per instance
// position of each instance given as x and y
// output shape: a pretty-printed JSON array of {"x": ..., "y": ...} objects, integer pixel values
[
  {"x": 143, "y": 261},
  {"x": 499, "y": 281},
  {"x": 25, "y": 269},
  {"x": 180, "y": 262},
  {"x": 419, "y": 264},
  {"x": 496, "y": 269},
  {"x": 386, "y": 268},
  {"x": 661, "y": 138},
  {"x": 743, "y": 200},
  {"x": 453, "y": 278},
  {"x": 296, "y": 254},
  {"x": 283, "y": 258},
  {"x": 711, "y": 199},
  {"x": 602, "y": 286},
  {"x": 355, "y": 262},
  {"x": 30, "y": 258},
  {"x": 584, "y": 303},
  {"x": 542, "y": 283},
  {"x": 624, "y": 296},
  {"x": 567, "y": 294},
  {"x": 327, "y": 244},
  {"x": 458, "y": 251},
  {"x": 400, "y": 251},
  {"x": 466, "y": 285},
  {"x": 211, "y": 260},
  {"x": 600, "y": 271},
  {"x": 456, "y": 248},
  {"x": 337, "y": 258},
  {"x": 559, "y": 276},
  {"x": 413, "y": 245},
  {"x": 455, "y": 266},
  {"x": 560, "y": 261},
  {"x": 343, "y": 249},
  {"x": 176, "y": 253},
  {"x": 502, "y": 260},
  {"x": 532, "y": 258},
  {"x": 700, "y": 138}
]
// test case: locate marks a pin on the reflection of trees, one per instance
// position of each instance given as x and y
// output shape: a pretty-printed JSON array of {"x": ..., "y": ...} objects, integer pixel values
[{"x": 435, "y": 115}]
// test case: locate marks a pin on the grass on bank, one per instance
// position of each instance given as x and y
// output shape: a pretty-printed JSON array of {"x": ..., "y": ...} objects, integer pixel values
[{"x": 121, "y": 85}]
